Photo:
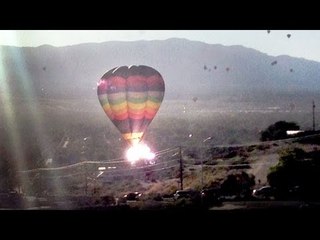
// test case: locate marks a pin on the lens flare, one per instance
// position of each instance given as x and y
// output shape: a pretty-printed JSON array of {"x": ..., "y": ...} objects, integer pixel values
[{"x": 139, "y": 152}]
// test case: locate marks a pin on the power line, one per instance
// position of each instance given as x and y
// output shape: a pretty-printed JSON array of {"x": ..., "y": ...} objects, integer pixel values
[
  {"x": 232, "y": 165},
  {"x": 160, "y": 153},
  {"x": 166, "y": 151},
  {"x": 93, "y": 162},
  {"x": 112, "y": 161},
  {"x": 137, "y": 172},
  {"x": 65, "y": 176},
  {"x": 143, "y": 167}
]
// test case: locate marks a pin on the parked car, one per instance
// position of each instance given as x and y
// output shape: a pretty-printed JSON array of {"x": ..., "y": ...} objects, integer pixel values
[
  {"x": 189, "y": 193},
  {"x": 211, "y": 196},
  {"x": 265, "y": 192},
  {"x": 132, "y": 196}
]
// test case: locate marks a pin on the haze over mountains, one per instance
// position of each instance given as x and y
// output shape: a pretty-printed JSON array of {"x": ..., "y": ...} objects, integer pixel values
[{"x": 189, "y": 68}]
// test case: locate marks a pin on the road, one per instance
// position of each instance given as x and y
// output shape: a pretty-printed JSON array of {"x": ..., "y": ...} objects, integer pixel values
[
  {"x": 267, "y": 205},
  {"x": 260, "y": 168}
]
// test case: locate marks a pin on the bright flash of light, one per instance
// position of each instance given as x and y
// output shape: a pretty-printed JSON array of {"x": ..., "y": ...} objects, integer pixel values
[{"x": 139, "y": 152}]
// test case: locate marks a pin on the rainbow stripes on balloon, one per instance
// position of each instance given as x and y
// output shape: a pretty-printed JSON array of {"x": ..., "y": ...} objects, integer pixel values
[{"x": 131, "y": 97}]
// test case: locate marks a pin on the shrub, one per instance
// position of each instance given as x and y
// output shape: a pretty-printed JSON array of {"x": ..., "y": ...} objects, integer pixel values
[{"x": 278, "y": 130}]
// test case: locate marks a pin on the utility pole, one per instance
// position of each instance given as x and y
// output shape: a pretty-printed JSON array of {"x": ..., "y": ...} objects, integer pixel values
[
  {"x": 85, "y": 178},
  {"x": 41, "y": 184},
  {"x": 201, "y": 179},
  {"x": 313, "y": 121},
  {"x": 203, "y": 156},
  {"x": 201, "y": 173},
  {"x": 181, "y": 169}
]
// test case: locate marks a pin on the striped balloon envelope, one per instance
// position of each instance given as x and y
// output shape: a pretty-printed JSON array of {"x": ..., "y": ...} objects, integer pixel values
[{"x": 131, "y": 97}]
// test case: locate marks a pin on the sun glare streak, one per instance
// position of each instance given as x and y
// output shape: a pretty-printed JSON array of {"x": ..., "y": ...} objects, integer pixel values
[
  {"x": 32, "y": 106},
  {"x": 11, "y": 110},
  {"x": 10, "y": 122},
  {"x": 138, "y": 152}
]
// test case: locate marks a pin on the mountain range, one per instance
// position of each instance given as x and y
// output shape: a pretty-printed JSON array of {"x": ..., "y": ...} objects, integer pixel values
[{"x": 189, "y": 68}]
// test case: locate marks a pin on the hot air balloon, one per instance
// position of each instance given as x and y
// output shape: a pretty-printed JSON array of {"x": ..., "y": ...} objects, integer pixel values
[
  {"x": 195, "y": 99},
  {"x": 131, "y": 97},
  {"x": 268, "y": 31},
  {"x": 274, "y": 63},
  {"x": 288, "y": 35},
  {"x": 292, "y": 106}
]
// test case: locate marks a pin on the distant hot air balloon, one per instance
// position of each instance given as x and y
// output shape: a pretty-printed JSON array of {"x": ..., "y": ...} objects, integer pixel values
[
  {"x": 205, "y": 67},
  {"x": 227, "y": 69},
  {"x": 195, "y": 99},
  {"x": 288, "y": 35},
  {"x": 274, "y": 63},
  {"x": 268, "y": 31},
  {"x": 131, "y": 97},
  {"x": 215, "y": 67},
  {"x": 292, "y": 106},
  {"x": 291, "y": 70}
]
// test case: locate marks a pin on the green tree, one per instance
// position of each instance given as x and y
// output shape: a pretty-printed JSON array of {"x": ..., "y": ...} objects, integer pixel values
[
  {"x": 278, "y": 130},
  {"x": 296, "y": 175},
  {"x": 239, "y": 184}
]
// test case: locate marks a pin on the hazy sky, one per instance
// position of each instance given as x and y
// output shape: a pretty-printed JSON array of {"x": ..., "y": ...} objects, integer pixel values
[{"x": 302, "y": 43}]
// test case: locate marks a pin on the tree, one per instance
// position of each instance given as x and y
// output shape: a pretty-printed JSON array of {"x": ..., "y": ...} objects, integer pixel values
[
  {"x": 238, "y": 184},
  {"x": 278, "y": 130},
  {"x": 8, "y": 179},
  {"x": 296, "y": 175}
]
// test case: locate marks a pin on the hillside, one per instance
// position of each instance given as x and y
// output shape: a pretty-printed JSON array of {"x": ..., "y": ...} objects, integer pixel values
[{"x": 189, "y": 68}]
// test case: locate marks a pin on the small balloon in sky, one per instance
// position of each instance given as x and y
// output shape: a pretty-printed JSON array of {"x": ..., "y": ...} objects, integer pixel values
[{"x": 292, "y": 106}]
